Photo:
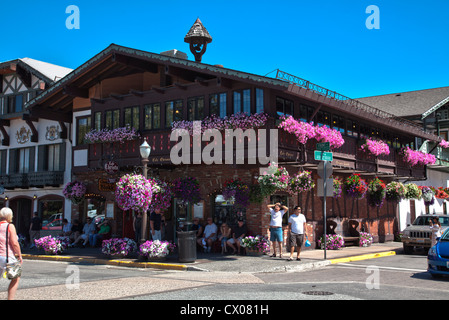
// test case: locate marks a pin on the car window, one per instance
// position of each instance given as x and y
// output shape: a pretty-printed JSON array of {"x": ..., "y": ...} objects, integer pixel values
[
  {"x": 420, "y": 221},
  {"x": 444, "y": 221}
]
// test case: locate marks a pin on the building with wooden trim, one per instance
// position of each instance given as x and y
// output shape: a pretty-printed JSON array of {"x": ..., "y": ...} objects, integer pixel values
[
  {"x": 122, "y": 86},
  {"x": 33, "y": 161}
]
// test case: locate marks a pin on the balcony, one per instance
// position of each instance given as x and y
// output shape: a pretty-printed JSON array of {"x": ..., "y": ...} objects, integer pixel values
[
  {"x": 32, "y": 179},
  {"x": 440, "y": 153}
]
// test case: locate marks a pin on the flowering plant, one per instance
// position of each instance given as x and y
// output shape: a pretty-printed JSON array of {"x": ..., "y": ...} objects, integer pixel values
[
  {"x": 74, "y": 191},
  {"x": 235, "y": 121},
  {"x": 257, "y": 243},
  {"x": 52, "y": 245},
  {"x": 365, "y": 239},
  {"x": 376, "y": 147},
  {"x": 440, "y": 193},
  {"x": 376, "y": 192},
  {"x": 305, "y": 131},
  {"x": 187, "y": 190},
  {"x": 414, "y": 157},
  {"x": 444, "y": 144},
  {"x": 162, "y": 194},
  {"x": 427, "y": 195},
  {"x": 355, "y": 186},
  {"x": 156, "y": 248},
  {"x": 337, "y": 187},
  {"x": 412, "y": 191},
  {"x": 114, "y": 135},
  {"x": 275, "y": 178},
  {"x": 300, "y": 182},
  {"x": 238, "y": 190},
  {"x": 118, "y": 247},
  {"x": 395, "y": 191},
  {"x": 333, "y": 242},
  {"x": 134, "y": 192}
]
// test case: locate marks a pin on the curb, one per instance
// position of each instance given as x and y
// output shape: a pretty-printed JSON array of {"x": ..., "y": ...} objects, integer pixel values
[{"x": 363, "y": 257}]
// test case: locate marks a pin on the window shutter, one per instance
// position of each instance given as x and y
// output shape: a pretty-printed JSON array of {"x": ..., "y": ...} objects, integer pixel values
[{"x": 62, "y": 150}]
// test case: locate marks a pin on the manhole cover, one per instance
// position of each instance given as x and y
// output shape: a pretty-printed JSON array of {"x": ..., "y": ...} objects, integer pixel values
[{"x": 318, "y": 293}]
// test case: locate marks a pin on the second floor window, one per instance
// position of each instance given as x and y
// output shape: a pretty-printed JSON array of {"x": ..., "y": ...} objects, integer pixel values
[
  {"x": 242, "y": 101},
  {"x": 132, "y": 117},
  {"x": 112, "y": 119},
  {"x": 14, "y": 103},
  {"x": 21, "y": 160},
  {"x": 195, "y": 108},
  {"x": 217, "y": 105},
  {"x": 284, "y": 107},
  {"x": 152, "y": 116},
  {"x": 83, "y": 126},
  {"x": 173, "y": 112}
]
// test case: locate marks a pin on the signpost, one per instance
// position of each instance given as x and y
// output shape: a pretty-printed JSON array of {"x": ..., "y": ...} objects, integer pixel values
[{"x": 324, "y": 170}]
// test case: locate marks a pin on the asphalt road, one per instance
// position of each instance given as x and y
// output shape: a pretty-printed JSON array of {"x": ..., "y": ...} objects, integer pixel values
[{"x": 399, "y": 277}]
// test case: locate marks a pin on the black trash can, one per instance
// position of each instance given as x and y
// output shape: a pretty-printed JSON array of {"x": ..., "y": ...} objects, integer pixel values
[{"x": 187, "y": 246}]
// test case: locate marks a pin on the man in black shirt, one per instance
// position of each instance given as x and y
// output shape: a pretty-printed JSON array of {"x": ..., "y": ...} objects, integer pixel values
[
  {"x": 35, "y": 229},
  {"x": 238, "y": 233},
  {"x": 156, "y": 219}
]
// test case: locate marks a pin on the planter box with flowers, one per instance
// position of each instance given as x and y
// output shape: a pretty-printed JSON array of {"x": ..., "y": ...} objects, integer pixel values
[
  {"x": 376, "y": 192},
  {"x": 115, "y": 135},
  {"x": 74, "y": 191},
  {"x": 333, "y": 242},
  {"x": 237, "y": 190},
  {"x": 256, "y": 246},
  {"x": 395, "y": 191},
  {"x": 300, "y": 182},
  {"x": 365, "y": 239},
  {"x": 156, "y": 250},
  {"x": 415, "y": 157},
  {"x": 274, "y": 179},
  {"x": 118, "y": 247},
  {"x": 355, "y": 186},
  {"x": 375, "y": 147},
  {"x": 134, "y": 192},
  {"x": 52, "y": 245}
]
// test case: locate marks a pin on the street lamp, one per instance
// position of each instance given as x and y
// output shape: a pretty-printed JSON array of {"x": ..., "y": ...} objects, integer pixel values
[{"x": 145, "y": 151}]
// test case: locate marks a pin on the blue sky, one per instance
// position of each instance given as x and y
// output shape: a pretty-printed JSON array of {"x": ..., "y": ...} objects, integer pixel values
[{"x": 323, "y": 41}]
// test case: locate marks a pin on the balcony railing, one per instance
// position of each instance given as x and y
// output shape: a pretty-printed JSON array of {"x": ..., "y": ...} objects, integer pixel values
[{"x": 32, "y": 179}]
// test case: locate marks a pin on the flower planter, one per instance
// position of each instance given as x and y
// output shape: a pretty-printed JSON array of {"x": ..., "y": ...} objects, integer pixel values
[{"x": 253, "y": 252}]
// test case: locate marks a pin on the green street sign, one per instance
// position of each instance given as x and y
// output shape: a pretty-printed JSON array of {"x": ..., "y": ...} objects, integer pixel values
[
  {"x": 323, "y": 146},
  {"x": 323, "y": 156}
]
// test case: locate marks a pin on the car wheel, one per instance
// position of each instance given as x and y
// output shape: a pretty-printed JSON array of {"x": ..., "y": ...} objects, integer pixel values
[{"x": 407, "y": 249}]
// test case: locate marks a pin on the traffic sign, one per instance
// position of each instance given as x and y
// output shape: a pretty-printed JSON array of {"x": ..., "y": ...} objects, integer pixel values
[
  {"x": 320, "y": 170},
  {"x": 329, "y": 187},
  {"x": 323, "y": 156},
  {"x": 323, "y": 146}
]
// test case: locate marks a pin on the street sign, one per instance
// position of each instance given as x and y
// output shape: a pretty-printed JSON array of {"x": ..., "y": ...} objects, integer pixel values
[
  {"x": 320, "y": 170},
  {"x": 323, "y": 156},
  {"x": 323, "y": 146},
  {"x": 329, "y": 188}
]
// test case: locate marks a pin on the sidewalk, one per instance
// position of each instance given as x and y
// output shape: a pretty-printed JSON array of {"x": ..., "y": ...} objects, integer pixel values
[{"x": 310, "y": 259}]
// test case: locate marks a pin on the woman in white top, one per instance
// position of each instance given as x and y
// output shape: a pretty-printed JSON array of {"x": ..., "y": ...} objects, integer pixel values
[
  {"x": 14, "y": 252},
  {"x": 435, "y": 226},
  {"x": 276, "y": 226}
]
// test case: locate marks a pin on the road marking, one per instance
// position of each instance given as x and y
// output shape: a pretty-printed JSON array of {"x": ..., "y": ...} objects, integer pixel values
[
  {"x": 363, "y": 257},
  {"x": 380, "y": 267}
]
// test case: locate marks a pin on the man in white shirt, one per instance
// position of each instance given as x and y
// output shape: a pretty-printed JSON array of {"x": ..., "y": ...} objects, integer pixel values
[
  {"x": 209, "y": 236},
  {"x": 276, "y": 226},
  {"x": 296, "y": 228}
]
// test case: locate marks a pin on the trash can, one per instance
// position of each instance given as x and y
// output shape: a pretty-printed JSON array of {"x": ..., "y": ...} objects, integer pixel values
[{"x": 187, "y": 246}]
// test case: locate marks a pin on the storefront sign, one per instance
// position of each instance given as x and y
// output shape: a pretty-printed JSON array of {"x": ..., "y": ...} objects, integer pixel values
[
  {"x": 111, "y": 167},
  {"x": 105, "y": 185}
]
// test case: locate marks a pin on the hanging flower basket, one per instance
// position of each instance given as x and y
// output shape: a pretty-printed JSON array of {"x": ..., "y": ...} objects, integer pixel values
[
  {"x": 134, "y": 192},
  {"x": 376, "y": 192},
  {"x": 52, "y": 245},
  {"x": 355, "y": 186},
  {"x": 118, "y": 247},
  {"x": 412, "y": 191},
  {"x": 300, "y": 182},
  {"x": 365, "y": 239},
  {"x": 427, "y": 195},
  {"x": 395, "y": 191},
  {"x": 187, "y": 190},
  {"x": 237, "y": 190},
  {"x": 415, "y": 157},
  {"x": 74, "y": 191},
  {"x": 333, "y": 242},
  {"x": 337, "y": 187},
  {"x": 441, "y": 194},
  {"x": 156, "y": 249},
  {"x": 375, "y": 147},
  {"x": 274, "y": 179},
  {"x": 162, "y": 194}
]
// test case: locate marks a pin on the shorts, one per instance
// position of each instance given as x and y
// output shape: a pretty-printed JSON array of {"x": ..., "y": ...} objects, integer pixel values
[
  {"x": 276, "y": 234},
  {"x": 296, "y": 240},
  {"x": 3, "y": 263}
]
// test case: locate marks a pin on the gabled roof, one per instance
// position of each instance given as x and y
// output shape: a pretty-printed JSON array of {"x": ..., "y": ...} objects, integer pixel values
[{"x": 411, "y": 103}]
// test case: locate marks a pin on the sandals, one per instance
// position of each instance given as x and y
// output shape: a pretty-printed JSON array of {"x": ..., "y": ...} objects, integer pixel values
[{"x": 273, "y": 255}]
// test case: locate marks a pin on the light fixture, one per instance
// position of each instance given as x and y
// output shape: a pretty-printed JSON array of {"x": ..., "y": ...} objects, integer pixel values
[
  {"x": 145, "y": 150},
  {"x": 34, "y": 197}
]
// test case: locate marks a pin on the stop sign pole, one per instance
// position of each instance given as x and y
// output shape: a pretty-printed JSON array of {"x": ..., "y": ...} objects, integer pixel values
[{"x": 324, "y": 170}]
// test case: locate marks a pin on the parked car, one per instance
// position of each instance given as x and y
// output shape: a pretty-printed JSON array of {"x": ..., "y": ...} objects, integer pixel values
[
  {"x": 53, "y": 223},
  {"x": 438, "y": 257},
  {"x": 419, "y": 234}
]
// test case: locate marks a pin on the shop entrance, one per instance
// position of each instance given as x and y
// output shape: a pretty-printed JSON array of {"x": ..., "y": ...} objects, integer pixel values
[{"x": 22, "y": 209}]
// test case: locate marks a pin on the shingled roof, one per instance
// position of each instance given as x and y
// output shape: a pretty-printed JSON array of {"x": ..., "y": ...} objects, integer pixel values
[{"x": 411, "y": 103}]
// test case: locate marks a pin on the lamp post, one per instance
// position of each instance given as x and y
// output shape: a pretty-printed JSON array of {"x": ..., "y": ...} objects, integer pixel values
[{"x": 145, "y": 151}]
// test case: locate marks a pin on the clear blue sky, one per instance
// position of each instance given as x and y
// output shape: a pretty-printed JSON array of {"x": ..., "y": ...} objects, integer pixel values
[{"x": 323, "y": 41}]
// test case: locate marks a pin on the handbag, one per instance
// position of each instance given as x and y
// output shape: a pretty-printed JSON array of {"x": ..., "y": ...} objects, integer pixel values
[
  {"x": 307, "y": 243},
  {"x": 13, "y": 270}
]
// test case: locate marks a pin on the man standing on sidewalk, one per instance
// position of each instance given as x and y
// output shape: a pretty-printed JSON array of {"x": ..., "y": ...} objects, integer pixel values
[
  {"x": 35, "y": 229},
  {"x": 296, "y": 229}
]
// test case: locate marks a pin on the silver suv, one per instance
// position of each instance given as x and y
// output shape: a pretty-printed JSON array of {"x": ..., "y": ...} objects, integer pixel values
[{"x": 419, "y": 234}]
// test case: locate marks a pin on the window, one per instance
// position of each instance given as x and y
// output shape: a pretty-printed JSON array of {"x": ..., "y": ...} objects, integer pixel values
[
  {"x": 352, "y": 128},
  {"x": 83, "y": 124},
  {"x": 284, "y": 107},
  {"x": 51, "y": 212},
  {"x": 259, "y": 100},
  {"x": 338, "y": 123},
  {"x": 132, "y": 117},
  {"x": 195, "y": 108},
  {"x": 3, "y": 155},
  {"x": 242, "y": 101},
  {"x": 51, "y": 157},
  {"x": 217, "y": 105},
  {"x": 112, "y": 119},
  {"x": 97, "y": 121},
  {"x": 303, "y": 113},
  {"x": 152, "y": 116},
  {"x": 173, "y": 112},
  {"x": 14, "y": 103},
  {"x": 24, "y": 161}
]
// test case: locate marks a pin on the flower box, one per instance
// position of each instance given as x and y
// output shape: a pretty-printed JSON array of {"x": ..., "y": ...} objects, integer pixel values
[
  {"x": 333, "y": 242},
  {"x": 256, "y": 245},
  {"x": 156, "y": 250},
  {"x": 52, "y": 245},
  {"x": 118, "y": 247},
  {"x": 114, "y": 135},
  {"x": 365, "y": 239}
]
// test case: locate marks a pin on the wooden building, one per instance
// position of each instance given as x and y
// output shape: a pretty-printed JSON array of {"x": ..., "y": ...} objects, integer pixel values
[{"x": 123, "y": 86}]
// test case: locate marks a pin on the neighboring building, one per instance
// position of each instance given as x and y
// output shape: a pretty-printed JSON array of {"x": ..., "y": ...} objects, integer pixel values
[
  {"x": 33, "y": 150},
  {"x": 430, "y": 109},
  {"x": 122, "y": 86}
]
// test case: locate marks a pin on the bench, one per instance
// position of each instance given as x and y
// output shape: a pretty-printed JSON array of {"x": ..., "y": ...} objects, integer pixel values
[{"x": 351, "y": 241}]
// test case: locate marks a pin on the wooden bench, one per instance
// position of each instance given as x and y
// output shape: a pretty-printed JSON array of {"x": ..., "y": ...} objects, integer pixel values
[{"x": 351, "y": 241}]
